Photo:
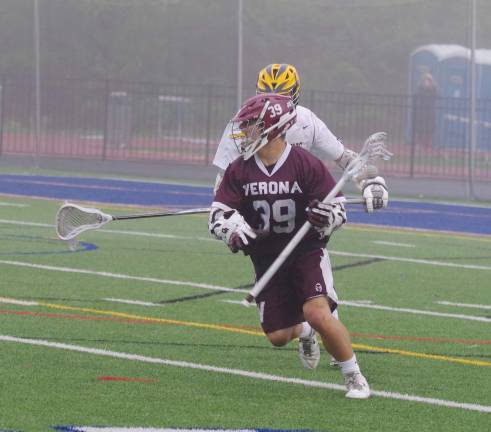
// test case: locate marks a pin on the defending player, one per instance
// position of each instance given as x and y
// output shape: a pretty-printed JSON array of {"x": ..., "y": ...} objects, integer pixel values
[
  {"x": 262, "y": 201},
  {"x": 308, "y": 132}
]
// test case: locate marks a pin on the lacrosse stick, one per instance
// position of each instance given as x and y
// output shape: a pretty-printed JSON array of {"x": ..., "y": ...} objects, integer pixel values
[
  {"x": 72, "y": 219},
  {"x": 373, "y": 149}
]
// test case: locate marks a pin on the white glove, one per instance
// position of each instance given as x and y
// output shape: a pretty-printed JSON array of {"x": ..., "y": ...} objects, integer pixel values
[
  {"x": 375, "y": 193},
  {"x": 326, "y": 217},
  {"x": 232, "y": 228}
]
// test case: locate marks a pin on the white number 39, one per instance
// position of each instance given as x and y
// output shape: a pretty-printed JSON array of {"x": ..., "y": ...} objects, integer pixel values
[{"x": 275, "y": 110}]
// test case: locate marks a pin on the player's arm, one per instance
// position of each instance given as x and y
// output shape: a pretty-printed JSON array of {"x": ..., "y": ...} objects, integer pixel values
[
  {"x": 325, "y": 144},
  {"x": 218, "y": 180},
  {"x": 230, "y": 227},
  {"x": 326, "y": 217},
  {"x": 226, "y": 153},
  {"x": 225, "y": 222},
  {"x": 373, "y": 187}
]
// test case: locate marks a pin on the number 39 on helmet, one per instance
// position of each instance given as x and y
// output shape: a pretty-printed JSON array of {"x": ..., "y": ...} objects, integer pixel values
[{"x": 261, "y": 119}]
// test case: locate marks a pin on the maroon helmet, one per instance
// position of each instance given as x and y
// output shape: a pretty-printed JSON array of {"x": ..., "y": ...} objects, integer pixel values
[{"x": 261, "y": 119}]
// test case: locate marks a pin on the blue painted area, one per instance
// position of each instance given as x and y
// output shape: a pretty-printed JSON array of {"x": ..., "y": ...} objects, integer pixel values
[
  {"x": 431, "y": 216},
  {"x": 406, "y": 214},
  {"x": 107, "y": 191},
  {"x": 57, "y": 250}
]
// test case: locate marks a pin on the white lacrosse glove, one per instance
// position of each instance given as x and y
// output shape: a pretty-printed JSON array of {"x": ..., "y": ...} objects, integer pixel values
[
  {"x": 375, "y": 193},
  {"x": 232, "y": 228},
  {"x": 326, "y": 217}
]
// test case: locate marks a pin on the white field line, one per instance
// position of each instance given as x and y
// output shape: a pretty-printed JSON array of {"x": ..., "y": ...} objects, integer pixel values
[
  {"x": 122, "y": 276},
  {"x": 368, "y": 304},
  {"x": 132, "y": 302},
  {"x": 9, "y": 204},
  {"x": 237, "y": 302},
  {"x": 413, "y": 260},
  {"x": 106, "y": 231},
  {"x": 33, "y": 224},
  {"x": 332, "y": 252},
  {"x": 415, "y": 311},
  {"x": 242, "y": 373},
  {"x": 144, "y": 429},
  {"x": 226, "y": 289},
  {"x": 465, "y": 305},
  {"x": 18, "y": 302},
  {"x": 147, "y": 234},
  {"x": 386, "y": 243}
]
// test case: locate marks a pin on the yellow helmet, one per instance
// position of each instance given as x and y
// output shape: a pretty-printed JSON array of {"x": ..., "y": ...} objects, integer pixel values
[{"x": 279, "y": 78}]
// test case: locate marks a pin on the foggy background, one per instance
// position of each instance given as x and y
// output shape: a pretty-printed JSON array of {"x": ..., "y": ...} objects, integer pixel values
[
  {"x": 337, "y": 45},
  {"x": 173, "y": 67}
]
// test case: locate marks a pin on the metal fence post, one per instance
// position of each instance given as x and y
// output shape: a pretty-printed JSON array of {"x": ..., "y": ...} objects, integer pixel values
[
  {"x": 2, "y": 109},
  {"x": 412, "y": 129},
  {"x": 209, "y": 94},
  {"x": 106, "y": 118}
]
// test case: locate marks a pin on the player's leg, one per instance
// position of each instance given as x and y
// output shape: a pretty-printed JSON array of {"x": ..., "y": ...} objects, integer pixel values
[
  {"x": 335, "y": 314},
  {"x": 281, "y": 315},
  {"x": 334, "y": 335},
  {"x": 308, "y": 348},
  {"x": 283, "y": 336},
  {"x": 316, "y": 287},
  {"x": 282, "y": 319},
  {"x": 336, "y": 340}
]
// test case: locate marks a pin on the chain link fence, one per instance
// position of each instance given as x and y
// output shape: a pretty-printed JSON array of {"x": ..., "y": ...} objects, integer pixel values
[{"x": 115, "y": 120}]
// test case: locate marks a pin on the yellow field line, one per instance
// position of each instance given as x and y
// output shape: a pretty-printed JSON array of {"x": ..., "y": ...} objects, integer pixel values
[
  {"x": 257, "y": 333},
  {"x": 154, "y": 320},
  {"x": 422, "y": 355}
]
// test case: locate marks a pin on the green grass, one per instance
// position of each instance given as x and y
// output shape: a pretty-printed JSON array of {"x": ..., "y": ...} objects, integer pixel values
[{"x": 42, "y": 386}]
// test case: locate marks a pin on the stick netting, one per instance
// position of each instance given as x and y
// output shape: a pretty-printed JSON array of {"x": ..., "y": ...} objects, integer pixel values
[{"x": 72, "y": 220}]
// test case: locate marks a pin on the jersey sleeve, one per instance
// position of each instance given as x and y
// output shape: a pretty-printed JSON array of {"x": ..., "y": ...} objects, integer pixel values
[
  {"x": 229, "y": 194},
  {"x": 227, "y": 151},
  {"x": 325, "y": 144}
]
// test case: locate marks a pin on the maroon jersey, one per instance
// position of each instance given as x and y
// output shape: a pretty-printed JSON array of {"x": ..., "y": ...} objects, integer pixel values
[{"x": 273, "y": 200}]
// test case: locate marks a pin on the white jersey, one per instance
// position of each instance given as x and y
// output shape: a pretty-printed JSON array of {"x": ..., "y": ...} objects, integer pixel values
[{"x": 308, "y": 132}]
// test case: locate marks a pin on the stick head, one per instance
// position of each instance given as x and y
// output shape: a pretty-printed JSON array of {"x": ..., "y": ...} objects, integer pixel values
[
  {"x": 373, "y": 149},
  {"x": 72, "y": 220}
]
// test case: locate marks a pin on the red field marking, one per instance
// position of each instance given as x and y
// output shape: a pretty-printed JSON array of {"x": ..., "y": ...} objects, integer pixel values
[
  {"x": 98, "y": 318},
  {"x": 76, "y": 317},
  {"x": 126, "y": 379},
  {"x": 137, "y": 321}
]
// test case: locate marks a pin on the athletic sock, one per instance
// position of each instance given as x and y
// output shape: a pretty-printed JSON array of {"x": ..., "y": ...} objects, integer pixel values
[
  {"x": 349, "y": 366},
  {"x": 307, "y": 330}
]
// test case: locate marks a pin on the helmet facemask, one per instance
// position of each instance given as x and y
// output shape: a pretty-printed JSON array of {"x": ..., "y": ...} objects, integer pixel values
[
  {"x": 250, "y": 136},
  {"x": 260, "y": 120}
]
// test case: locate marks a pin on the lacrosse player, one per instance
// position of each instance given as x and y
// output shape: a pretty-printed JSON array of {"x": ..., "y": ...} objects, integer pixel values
[
  {"x": 308, "y": 132},
  {"x": 261, "y": 202}
]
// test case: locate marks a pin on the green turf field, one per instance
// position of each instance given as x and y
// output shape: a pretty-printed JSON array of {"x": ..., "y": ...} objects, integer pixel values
[{"x": 74, "y": 351}]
